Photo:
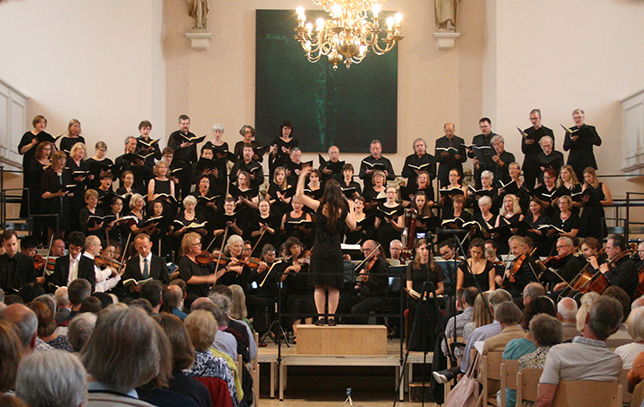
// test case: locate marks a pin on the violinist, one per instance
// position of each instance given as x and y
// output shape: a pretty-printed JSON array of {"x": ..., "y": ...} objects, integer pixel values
[
  {"x": 565, "y": 265},
  {"x": 267, "y": 287},
  {"x": 198, "y": 277},
  {"x": 74, "y": 265},
  {"x": 16, "y": 269},
  {"x": 144, "y": 264},
  {"x": 106, "y": 278},
  {"x": 57, "y": 248},
  {"x": 480, "y": 269},
  {"x": 620, "y": 270},
  {"x": 294, "y": 273},
  {"x": 371, "y": 283},
  {"x": 521, "y": 271},
  {"x": 395, "y": 252},
  {"x": 234, "y": 272}
]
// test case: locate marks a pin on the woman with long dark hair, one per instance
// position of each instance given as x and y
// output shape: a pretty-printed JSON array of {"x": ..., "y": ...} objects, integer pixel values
[{"x": 331, "y": 217}]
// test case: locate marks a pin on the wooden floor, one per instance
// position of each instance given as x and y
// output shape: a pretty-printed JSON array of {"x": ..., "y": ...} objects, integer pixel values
[{"x": 323, "y": 379}]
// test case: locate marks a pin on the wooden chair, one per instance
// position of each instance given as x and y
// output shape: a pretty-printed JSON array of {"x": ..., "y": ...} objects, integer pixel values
[
  {"x": 588, "y": 393},
  {"x": 626, "y": 396},
  {"x": 509, "y": 372},
  {"x": 450, "y": 341},
  {"x": 528, "y": 384},
  {"x": 490, "y": 371},
  {"x": 638, "y": 395}
]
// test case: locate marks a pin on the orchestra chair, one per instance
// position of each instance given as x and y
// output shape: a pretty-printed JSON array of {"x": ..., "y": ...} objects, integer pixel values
[
  {"x": 638, "y": 395},
  {"x": 509, "y": 372},
  {"x": 490, "y": 370},
  {"x": 528, "y": 384},
  {"x": 588, "y": 393}
]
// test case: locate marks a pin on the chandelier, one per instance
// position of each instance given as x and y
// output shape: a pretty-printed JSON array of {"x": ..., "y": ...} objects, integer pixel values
[{"x": 347, "y": 34}]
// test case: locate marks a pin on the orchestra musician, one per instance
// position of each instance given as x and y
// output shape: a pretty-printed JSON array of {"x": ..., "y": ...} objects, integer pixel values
[
  {"x": 564, "y": 266},
  {"x": 198, "y": 277},
  {"x": 521, "y": 271},
  {"x": 620, "y": 270},
  {"x": 74, "y": 265},
  {"x": 16, "y": 269}
]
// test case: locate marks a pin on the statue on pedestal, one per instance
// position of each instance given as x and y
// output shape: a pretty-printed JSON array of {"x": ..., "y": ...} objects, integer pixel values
[
  {"x": 198, "y": 9},
  {"x": 445, "y": 12}
]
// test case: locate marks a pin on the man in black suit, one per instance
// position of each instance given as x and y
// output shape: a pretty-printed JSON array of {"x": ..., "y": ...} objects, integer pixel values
[
  {"x": 530, "y": 147},
  {"x": 375, "y": 162},
  {"x": 74, "y": 265},
  {"x": 446, "y": 156},
  {"x": 144, "y": 265},
  {"x": 16, "y": 269},
  {"x": 580, "y": 140},
  {"x": 185, "y": 153}
]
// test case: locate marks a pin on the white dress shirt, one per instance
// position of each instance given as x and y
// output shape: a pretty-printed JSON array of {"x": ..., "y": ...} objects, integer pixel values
[{"x": 73, "y": 268}]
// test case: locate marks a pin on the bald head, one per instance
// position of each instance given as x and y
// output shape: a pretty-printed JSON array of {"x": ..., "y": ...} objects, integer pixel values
[
  {"x": 198, "y": 301},
  {"x": 26, "y": 323},
  {"x": 567, "y": 310}
]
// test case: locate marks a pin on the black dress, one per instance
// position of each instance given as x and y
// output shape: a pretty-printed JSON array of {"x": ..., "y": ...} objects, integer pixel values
[
  {"x": 483, "y": 278},
  {"x": 326, "y": 255},
  {"x": 27, "y": 159},
  {"x": 53, "y": 182},
  {"x": 593, "y": 222},
  {"x": 66, "y": 143},
  {"x": 187, "y": 269}
]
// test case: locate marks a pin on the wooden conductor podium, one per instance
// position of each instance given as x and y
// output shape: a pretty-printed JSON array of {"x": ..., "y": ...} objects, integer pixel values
[{"x": 342, "y": 340}]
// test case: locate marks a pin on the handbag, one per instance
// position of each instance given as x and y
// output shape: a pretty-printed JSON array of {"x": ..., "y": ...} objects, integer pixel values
[{"x": 467, "y": 390}]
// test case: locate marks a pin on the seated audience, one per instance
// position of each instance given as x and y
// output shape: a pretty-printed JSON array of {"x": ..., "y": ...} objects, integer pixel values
[{"x": 80, "y": 330}]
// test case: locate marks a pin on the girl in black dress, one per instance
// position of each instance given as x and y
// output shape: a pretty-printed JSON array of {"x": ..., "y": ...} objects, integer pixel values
[
  {"x": 28, "y": 146},
  {"x": 425, "y": 219},
  {"x": 568, "y": 184},
  {"x": 281, "y": 146},
  {"x": 364, "y": 224},
  {"x": 596, "y": 196},
  {"x": 389, "y": 222},
  {"x": 535, "y": 218},
  {"x": 77, "y": 167},
  {"x": 279, "y": 193},
  {"x": 564, "y": 219},
  {"x": 509, "y": 215},
  {"x": 98, "y": 164},
  {"x": 327, "y": 265},
  {"x": 160, "y": 184},
  {"x": 454, "y": 188},
  {"x": 55, "y": 195},
  {"x": 264, "y": 226},
  {"x": 482, "y": 270},
  {"x": 72, "y": 136},
  {"x": 547, "y": 193},
  {"x": 350, "y": 188},
  {"x": 375, "y": 193},
  {"x": 42, "y": 161},
  {"x": 298, "y": 223}
]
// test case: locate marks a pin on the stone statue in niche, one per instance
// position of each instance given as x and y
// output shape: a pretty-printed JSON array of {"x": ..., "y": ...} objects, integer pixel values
[
  {"x": 198, "y": 9},
  {"x": 445, "y": 12}
]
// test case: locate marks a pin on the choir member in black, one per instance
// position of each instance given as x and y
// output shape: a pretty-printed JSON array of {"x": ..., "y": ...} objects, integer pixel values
[
  {"x": 313, "y": 188},
  {"x": 294, "y": 273},
  {"x": 249, "y": 165},
  {"x": 185, "y": 153},
  {"x": 208, "y": 204},
  {"x": 90, "y": 225},
  {"x": 568, "y": 184},
  {"x": 267, "y": 285},
  {"x": 520, "y": 272},
  {"x": 423, "y": 185},
  {"x": 580, "y": 140},
  {"x": 421, "y": 270},
  {"x": 33, "y": 174},
  {"x": 389, "y": 222},
  {"x": 501, "y": 159},
  {"x": 98, "y": 164},
  {"x": 487, "y": 189},
  {"x": 77, "y": 166},
  {"x": 509, "y": 216},
  {"x": 364, "y": 224},
  {"x": 561, "y": 270},
  {"x": 132, "y": 162},
  {"x": 280, "y": 193},
  {"x": 218, "y": 146},
  {"x": 161, "y": 223},
  {"x": 281, "y": 146},
  {"x": 453, "y": 189},
  {"x": 298, "y": 223},
  {"x": 294, "y": 165},
  {"x": 480, "y": 269},
  {"x": 126, "y": 190},
  {"x": 120, "y": 230},
  {"x": 105, "y": 192},
  {"x": 146, "y": 146},
  {"x": 350, "y": 188},
  {"x": 547, "y": 193},
  {"x": 187, "y": 220},
  {"x": 375, "y": 162},
  {"x": 425, "y": 219},
  {"x": 214, "y": 169},
  {"x": 374, "y": 193},
  {"x": 564, "y": 219},
  {"x": 536, "y": 217},
  {"x": 516, "y": 187},
  {"x": 596, "y": 195},
  {"x": 160, "y": 188},
  {"x": 175, "y": 170},
  {"x": 246, "y": 196},
  {"x": 456, "y": 216},
  {"x": 72, "y": 136},
  {"x": 482, "y": 158},
  {"x": 198, "y": 277},
  {"x": 371, "y": 285},
  {"x": 549, "y": 157},
  {"x": 265, "y": 226},
  {"x": 137, "y": 209},
  {"x": 16, "y": 269},
  {"x": 55, "y": 194},
  {"x": 531, "y": 148},
  {"x": 27, "y": 147},
  {"x": 484, "y": 217},
  {"x": 248, "y": 133},
  {"x": 619, "y": 269},
  {"x": 226, "y": 223},
  {"x": 332, "y": 168},
  {"x": 450, "y": 153},
  {"x": 421, "y": 160}
]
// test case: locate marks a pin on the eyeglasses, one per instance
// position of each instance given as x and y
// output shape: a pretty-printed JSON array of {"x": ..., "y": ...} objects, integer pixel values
[{"x": 196, "y": 244}]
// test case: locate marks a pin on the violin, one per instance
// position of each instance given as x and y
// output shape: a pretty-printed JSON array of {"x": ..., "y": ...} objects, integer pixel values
[
  {"x": 101, "y": 261},
  {"x": 206, "y": 257},
  {"x": 516, "y": 266},
  {"x": 39, "y": 262}
]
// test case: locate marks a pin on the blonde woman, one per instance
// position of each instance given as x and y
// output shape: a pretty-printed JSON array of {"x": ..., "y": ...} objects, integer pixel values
[
  {"x": 72, "y": 136},
  {"x": 596, "y": 195}
]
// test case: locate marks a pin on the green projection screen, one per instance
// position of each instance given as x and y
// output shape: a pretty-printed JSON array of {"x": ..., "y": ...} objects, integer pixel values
[{"x": 347, "y": 107}]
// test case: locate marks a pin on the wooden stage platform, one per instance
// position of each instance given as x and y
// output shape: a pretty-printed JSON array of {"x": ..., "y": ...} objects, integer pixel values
[{"x": 268, "y": 358}]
